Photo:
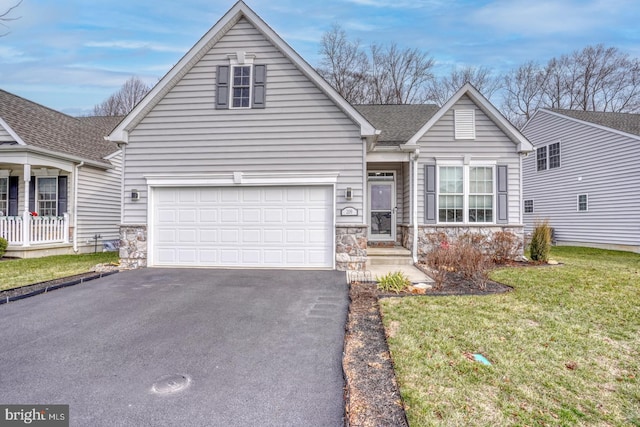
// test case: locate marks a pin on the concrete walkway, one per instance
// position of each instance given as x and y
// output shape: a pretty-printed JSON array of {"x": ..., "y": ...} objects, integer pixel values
[{"x": 414, "y": 274}]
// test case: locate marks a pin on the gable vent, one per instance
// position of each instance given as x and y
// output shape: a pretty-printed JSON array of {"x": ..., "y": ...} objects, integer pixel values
[{"x": 465, "y": 124}]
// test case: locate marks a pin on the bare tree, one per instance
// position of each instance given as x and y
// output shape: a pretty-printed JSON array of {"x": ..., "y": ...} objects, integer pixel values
[
  {"x": 344, "y": 64},
  {"x": 398, "y": 76},
  {"x": 6, "y": 17},
  {"x": 386, "y": 74},
  {"x": 524, "y": 92},
  {"x": 441, "y": 89},
  {"x": 595, "y": 78},
  {"x": 124, "y": 100}
]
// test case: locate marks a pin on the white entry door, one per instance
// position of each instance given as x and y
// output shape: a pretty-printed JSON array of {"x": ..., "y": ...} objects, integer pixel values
[
  {"x": 382, "y": 209},
  {"x": 289, "y": 227}
]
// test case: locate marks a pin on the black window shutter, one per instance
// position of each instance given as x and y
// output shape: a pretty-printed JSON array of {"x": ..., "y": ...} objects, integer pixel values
[
  {"x": 13, "y": 196},
  {"x": 62, "y": 195},
  {"x": 502, "y": 202},
  {"x": 222, "y": 87},
  {"x": 430, "y": 194},
  {"x": 32, "y": 194},
  {"x": 259, "y": 85}
]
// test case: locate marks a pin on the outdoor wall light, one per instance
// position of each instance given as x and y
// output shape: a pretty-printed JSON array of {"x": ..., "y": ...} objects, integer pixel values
[
  {"x": 135, "y": 195},
  {"x": 348, "y": 193}
]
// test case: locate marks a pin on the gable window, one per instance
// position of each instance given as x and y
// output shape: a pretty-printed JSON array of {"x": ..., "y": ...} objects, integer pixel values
[
  {"x": 466, "y": 194},
  {"x": 241, "y": 87},
  {"x": 548, "y": 157},
  {"x": 582, "y": 203},
  {"x": 241, "y": 84},
  {"x": 4, "y": 196},
  {"x": 465, "y": 124},
  {"x": 528, "y": 206},
  {"x": 47, "y": 196}
]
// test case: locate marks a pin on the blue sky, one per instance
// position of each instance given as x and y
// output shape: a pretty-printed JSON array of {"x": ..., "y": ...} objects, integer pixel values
[{"x": 71, "y": 54}]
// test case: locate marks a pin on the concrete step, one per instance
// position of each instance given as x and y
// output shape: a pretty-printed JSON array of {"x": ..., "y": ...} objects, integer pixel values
[{"x": 389, "y": 256}]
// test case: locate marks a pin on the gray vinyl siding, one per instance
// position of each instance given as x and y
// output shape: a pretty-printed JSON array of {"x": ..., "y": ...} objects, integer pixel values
[
  {"x": 490, "y": 144},
  {"x": 300, "y": 130},
  {"x": 609, "y": 167},
  {"x": 5, "y": 136},
  {"x": 99, "y": 197}
]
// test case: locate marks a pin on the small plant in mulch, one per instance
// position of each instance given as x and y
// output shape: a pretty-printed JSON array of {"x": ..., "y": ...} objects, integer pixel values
[{"x": 395, "y": 282}]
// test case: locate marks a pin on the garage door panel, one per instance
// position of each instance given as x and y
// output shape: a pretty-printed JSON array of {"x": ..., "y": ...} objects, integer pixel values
[{"x": 243, "y": 226}]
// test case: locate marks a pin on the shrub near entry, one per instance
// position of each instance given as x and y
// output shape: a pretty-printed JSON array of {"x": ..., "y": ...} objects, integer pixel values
[
  {"x": 541, "y": 242},
  {"x": 393, "y": 282}
]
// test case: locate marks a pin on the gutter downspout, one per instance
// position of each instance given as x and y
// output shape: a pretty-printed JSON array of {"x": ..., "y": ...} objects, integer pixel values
[
  {"x": 414, "y": 197},
  {"x": 75, "y": 206}
]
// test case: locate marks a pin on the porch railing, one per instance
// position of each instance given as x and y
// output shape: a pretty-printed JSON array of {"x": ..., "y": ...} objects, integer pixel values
[{"x": 38, "y": 230}]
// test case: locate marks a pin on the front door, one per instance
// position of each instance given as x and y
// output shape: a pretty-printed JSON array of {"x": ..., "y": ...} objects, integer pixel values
[{"x": 382, "y": 210}]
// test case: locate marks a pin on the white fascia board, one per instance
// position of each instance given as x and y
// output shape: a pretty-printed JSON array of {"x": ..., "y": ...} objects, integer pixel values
[
  {"x": 11, "y": 132},
  {"x": 388, "y": 156},
  {"x": 242, "y": 179}
]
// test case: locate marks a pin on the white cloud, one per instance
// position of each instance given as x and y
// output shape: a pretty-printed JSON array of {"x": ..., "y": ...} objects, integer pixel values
[
  {"x": 10, "y": 55},
  {"x": 134, "y": 45}
]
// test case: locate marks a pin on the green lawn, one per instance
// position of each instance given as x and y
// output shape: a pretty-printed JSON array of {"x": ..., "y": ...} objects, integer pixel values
[
  {"x": 564, "y": 347},
  {"x": 21, "y": 272}
]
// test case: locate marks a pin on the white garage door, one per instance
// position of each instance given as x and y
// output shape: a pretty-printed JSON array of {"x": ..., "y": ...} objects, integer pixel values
[{"x": 243, "y": 227}]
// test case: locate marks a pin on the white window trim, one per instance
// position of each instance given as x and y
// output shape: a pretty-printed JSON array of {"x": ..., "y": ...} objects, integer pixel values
[
  {"x": 232, "y": 86},
  {"x": 5, "y": 212},
  {"x": 466, "y": 190},
  {"x": 548, "y": 156},
  {"x": 533, "y": 206},
  {"x": 578, "y": 202},
  {"x": 37, "y": 199}
]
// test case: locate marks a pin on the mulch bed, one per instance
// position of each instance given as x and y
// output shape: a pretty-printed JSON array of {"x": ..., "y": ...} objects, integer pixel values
[{"x": 372, "y": 397}]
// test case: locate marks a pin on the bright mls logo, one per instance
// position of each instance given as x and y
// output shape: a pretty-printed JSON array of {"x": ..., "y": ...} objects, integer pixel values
[{"x": 34, "y": 415}]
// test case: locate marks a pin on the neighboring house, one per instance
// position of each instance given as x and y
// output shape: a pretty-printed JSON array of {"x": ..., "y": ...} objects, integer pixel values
[
  {"x": 585, "y": 177},
  {"x": 243, "y": 156},
  {"x": 60, "y": 180}
]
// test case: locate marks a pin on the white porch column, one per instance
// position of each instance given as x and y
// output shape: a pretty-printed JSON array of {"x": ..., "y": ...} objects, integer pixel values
[
  {"x": 414, "y": 197},
  {"x": 26, "y": 215},
  {"x": 66, "y": 227}
]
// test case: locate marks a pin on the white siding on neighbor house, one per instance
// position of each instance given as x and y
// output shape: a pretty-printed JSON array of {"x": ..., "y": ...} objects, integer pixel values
[
  {"x": 300, "y": 130},
  {"x": 99, "y": 196},
  {"x": 490, "y": 144},
  {"x": 593, "y": 161}
]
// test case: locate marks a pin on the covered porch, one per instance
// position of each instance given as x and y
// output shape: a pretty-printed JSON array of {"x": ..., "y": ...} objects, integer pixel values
[{"x": 34, "y": 196}]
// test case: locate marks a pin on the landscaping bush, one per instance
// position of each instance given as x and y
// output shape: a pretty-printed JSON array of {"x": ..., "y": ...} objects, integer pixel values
[
  {"x": 441, "y": 261},
  {"x": 505, "y": 246},
  {"x": 3, "y": 246},
  {"x": 393, "y": 282},
  {"x": 540, "y": 242}
]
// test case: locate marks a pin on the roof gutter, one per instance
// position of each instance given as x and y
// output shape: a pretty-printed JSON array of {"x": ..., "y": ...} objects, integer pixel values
[{"x": 54, "y": 154}]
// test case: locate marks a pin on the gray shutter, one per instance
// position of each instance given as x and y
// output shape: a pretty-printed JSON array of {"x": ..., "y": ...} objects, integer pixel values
[
  {"x": 62, "y": 195},
  {"x": 32, "y": 194},
  {"x": 502, "y": 204},
  {"x": 222, "y": 87},
  {"x": 430, "y": 194},
  {"x": 259, "y": 83},
  {"x": 13, "y": 196}
]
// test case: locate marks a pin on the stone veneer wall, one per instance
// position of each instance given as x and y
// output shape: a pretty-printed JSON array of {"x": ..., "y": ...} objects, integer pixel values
[
  {"x": 452, "y": 233},
  {"x": 351, "y": 247},
  {"x": 133, "y": 246}
]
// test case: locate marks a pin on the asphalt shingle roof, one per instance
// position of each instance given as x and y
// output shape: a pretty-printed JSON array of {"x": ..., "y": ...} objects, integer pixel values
[
  {"x": 43, "y": 127},
  {"x": 398, "y": 122},
  {"x": 625, "y": 122}
]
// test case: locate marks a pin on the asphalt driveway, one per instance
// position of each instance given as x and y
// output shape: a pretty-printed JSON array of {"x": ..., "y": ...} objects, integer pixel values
[{"x": 188, "y": 347}]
